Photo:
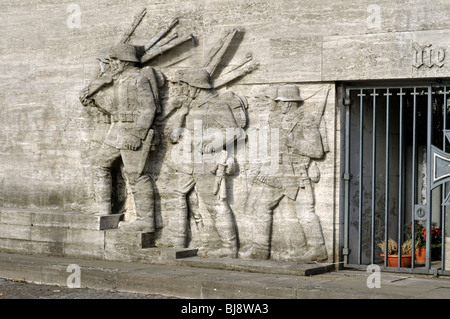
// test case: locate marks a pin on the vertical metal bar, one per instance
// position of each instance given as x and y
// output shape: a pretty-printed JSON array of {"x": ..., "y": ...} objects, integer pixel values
[
  {"x": 444, "y": 207},
  {"x": 400, "y": 178},
  {"x": 347, "y": 174},
  {"x": 413, "y": 178},
  {"x": 361, "y": 152},
  {"x": 386, "y": 183},
  {"x": 429, "y": 203},
  {"x": 374, "y": 174}
]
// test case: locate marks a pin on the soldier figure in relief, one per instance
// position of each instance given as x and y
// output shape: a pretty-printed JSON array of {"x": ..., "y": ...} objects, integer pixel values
[
  {"x": 201, "y": 110},
  {"x": 300, "y": 144},
  {"x": 128, "y": 97}
]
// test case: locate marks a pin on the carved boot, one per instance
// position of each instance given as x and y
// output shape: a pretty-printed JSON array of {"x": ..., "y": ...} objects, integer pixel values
[
  {"x": 259, "y": 246},
  {"x": 227, "y": 234},
  {"x": 316, "y": 250},
  {"x": 181, "y": 223},
  {"x": 144, "y": 203},
  {"x": 103, "y": 190}
]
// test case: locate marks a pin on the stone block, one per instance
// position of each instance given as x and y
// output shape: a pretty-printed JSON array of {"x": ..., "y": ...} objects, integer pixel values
[
  {"x": 92, "y": 250},
  {"x": 15, "y": 217},
  {"x": 396, "y": 55},
  {"x": 16, "y": 232},
  {"x": 66, "y": 235},
  {"x": 126, "y": 246},
  {"x": 16, "y": 246},
  {"x": 361, "y": 57}
]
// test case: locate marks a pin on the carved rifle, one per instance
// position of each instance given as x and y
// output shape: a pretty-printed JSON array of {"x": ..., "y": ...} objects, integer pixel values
[
  {"x": 154, "y": 52},
  {"x": 244, "y": 68},
  {"x": 160, "y": 35},
  {"x": 137, "y": 20},
  {"x": 216, "y": 54}
]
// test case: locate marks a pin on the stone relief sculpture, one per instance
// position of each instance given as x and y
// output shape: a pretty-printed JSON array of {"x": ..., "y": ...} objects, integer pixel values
[
  {"x": 125, "y": 97},
  {"x": 201, "y": 106},
  {"x": 301, "y": 142},
  {"x": 130, "y": 98},
  {"x": 202, "y": 123},
  {"x": 200, "y": 109}
]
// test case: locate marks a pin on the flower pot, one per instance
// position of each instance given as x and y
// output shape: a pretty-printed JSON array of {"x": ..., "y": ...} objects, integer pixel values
[
  {"x": 393, "y": 260},
  {"x": 421, "y": 254}
]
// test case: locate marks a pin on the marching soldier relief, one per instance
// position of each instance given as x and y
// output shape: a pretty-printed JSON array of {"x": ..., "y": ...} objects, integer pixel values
[
  {"x": 199, "y": 119},
  {"x": 300, "y": 143},
  {"x": 181, "y": 125}
]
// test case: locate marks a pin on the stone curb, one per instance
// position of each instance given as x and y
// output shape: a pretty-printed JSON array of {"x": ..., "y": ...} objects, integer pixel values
[{"x": 208, "y": 283}]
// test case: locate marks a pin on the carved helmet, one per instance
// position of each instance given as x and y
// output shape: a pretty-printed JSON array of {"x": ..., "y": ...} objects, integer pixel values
[
  {"x": 196, "y": 77},
  {"x": 124, "y": 52},
  {"x": 288, "y": 93}
]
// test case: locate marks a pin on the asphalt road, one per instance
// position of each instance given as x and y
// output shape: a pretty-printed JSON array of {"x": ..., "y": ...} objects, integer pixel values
[{"x": 22, "y": 290}]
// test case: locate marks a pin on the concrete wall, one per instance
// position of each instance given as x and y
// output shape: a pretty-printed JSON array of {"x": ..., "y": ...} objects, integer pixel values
[{"x": 48, "y": 50}]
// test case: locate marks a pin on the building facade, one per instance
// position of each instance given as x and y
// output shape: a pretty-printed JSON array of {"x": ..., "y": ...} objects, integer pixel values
[{"x": 371, "y": 126}]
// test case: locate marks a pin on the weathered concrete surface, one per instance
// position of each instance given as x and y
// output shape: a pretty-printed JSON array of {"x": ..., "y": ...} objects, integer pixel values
[
  {"x": 258, "y": 266},
  {"x": 71, "y": 234},
  {"x": 386, "y": 56},
  {"x": 16, "y": 289},
  {"x": 47, "y": 55},
  {"x": 190, "y": 282}
]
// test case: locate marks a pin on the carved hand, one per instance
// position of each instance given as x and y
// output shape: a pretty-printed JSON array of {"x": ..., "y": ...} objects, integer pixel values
[
  {"x": 132, "y": 142},
  {"x": 83, "y": 96},
  {"x": 197, "y": 217},
  {"x": 208, "y": 148},
  {"x": 262, "y": 177},
  {"x": 289, "y": 139},
  {"x": 176, "y": 134}
]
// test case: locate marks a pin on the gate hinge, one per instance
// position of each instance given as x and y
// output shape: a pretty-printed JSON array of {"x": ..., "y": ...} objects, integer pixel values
[{"x": 346, "y": 251}]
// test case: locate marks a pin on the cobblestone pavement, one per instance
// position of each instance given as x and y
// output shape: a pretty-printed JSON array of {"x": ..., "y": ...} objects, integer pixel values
[{"x": 22, "y": 290}]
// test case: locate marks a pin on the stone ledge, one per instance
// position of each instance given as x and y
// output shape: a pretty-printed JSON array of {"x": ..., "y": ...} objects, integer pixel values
[
  {"x": 31, "y": 217},
  {"x": 258, "y": 266},
  {"x": 76, "y": 235}
]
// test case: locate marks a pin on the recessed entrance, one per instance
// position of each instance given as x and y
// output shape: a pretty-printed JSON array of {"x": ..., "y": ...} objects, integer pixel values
[{"x": 396, "y": 173}]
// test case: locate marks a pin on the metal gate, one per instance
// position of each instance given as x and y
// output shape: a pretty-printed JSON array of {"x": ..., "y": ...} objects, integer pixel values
[{"x": 396, "y": 163}]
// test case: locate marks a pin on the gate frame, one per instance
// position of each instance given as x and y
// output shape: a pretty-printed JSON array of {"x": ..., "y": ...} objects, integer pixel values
[{"x": 343, "y": 100}]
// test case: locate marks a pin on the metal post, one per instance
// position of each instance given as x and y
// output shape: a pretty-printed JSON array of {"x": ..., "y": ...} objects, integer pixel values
[
  {"x": 361, "y": 148},
  {"x": 374, "y": 174},
  {"x": 445, "y": 185},
  {"x": 386, "y": 183},
  {"x": 429, "y": 204},
  {"x": 347, "y": 103},
  {"x": 400, "y": 178},
  {"x": 413, "y": 184}
]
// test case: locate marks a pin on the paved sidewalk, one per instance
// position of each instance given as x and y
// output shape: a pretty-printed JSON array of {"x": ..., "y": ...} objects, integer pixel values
[
  {"x": 15, "y": 289},
  {"x": 205, "y": 283}
]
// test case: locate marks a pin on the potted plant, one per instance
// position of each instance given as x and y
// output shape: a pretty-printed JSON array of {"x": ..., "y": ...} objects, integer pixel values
[
  {"x": 392, "y": 253},
  {"x": 420, "y": 240},
  {"x": 436, "y": 241}
]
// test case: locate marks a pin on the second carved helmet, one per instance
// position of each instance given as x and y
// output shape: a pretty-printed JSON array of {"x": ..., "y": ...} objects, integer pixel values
[
  {"x": 289, "y": 93},
  {"x": 196, "y": 77},
  {"x": 124, "y": 52}
]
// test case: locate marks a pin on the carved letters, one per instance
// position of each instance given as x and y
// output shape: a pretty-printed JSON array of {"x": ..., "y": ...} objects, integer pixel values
[{"x": 428, "y": 56}]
